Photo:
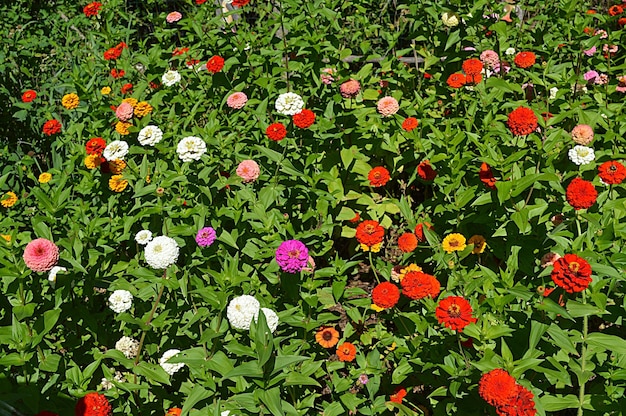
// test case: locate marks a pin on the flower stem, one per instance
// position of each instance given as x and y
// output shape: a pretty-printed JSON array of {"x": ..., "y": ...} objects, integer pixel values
[
  {"x": 372, "y": 266},
  {"x": 583, "y": 357}
]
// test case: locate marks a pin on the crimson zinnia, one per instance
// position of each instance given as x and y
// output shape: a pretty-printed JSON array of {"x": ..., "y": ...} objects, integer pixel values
[
  {"x": 522, "y": 121},
  {"x": 572, "y": 273},
  {"x": 581, "y": 194}
]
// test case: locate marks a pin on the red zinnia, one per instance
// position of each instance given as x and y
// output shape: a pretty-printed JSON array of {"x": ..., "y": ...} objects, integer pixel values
[
  {"x": 95, "y": 146},
  {"x": 115, "y": 52},
  {"x": 497, "y": 387},
  {"x": 521, "y": 404},
  {"x": 473, "y": 79},
  {"x": 126, "y": 88},
  {"x": 398, "y": 394},
  {"x": 240, "y": 3},
  {"x": 276, "y": 132},
  {"x": 180, "y": 51},
  {"x": 426, "y": 171},
  {"x": 456, "y": 80},
  {"x": 215, "y": 64},
  {"x": 615, "y": 10},
  {"x": 612, "y": 172},
  {"x": 472, "y": 66},
  {"x": 407, "y": 242},
  {"x": 418, "y": 285},
  {"x": 93, "y": 404},
  {"x": 572, "y": 273},
  {"x": 378, "y": 176},
  {"x": 486, "y": 176},
  {"x": 304, "y": 119},
  {"x": 29, "y": 95},
  {"x": 525, "y": 59},
  {"x": 370, "y": 233},
  {"x": 581, "y": 194},
  {"x": 346, "y": 352},
  {"x": 454, "y": 312},
  {"x": 522, "y": 121},
  {"x": 409, "y": 123},
  {"x": 51, "y": 127},
  {"x": 117, "y": 73},
  {"x": 419, "y": 231},
  {"x": 386, "y": 295},
  {"x": 92, "y": 9}
]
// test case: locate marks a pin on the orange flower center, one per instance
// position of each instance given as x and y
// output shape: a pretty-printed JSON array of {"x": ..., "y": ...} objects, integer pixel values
[
  {"x": 454, "y": 243},
  {"x": 369, "y": 228},
  {"x": 454, "y": 310},
  {"x": 294, "y": 254},
  {"x": 574, "y": 266}
]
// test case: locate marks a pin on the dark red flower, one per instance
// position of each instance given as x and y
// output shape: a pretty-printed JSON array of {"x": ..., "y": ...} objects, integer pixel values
[
  {"x": 93, "y": 404},
  {"x": 418, "y": 285},
  {"x": 454, "y": 312},
  {"x": 409, "y": 123},
  {"x": 95, "y": 146},
  {"x": 29, "y": 95},
  {"x": 612, "y": 172},
  {"x": 386, "y": 295},
  {"x": 581, "y": 194},
  {"x": 378, "y": 176},
  {"x": 117, "y": 73},
  {"x": 497, "y": 387},
  {"x": 522, "y": 121},
  {"x": 215, "y": 64},
  {"x": 92, "y": 9},
  {"x": 304, "y": 119},
  {"x": 200, "y": 2},
  {"x": 486, "y": 176},
  {"x": 276, "y": 132},
  {"x": 572, "y": 273},
  {"x": 426, "y": 171},
  {"x": 51, "y": 127}
]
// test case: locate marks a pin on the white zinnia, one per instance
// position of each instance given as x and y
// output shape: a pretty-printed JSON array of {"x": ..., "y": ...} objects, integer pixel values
[
  {"x": 161, "y": 252},
  {"x": 117, "y": 149},
  {"x": 271, "y": 318},
  {"x": 553, "y": 92},
  {"x": 143, "y": 237},
  {"x": 581, "y": 155},
  {"x": 509, "y": 51},
  {"x": 450, "y": 19},
  {"x": 120, "y": 301},
  {"x": 289, "y": 104},
  {"x": 150, "y": 135},
  {"x": 170, "y": 78},
  {"x": 52, "y": 275},
  {"x": 242, "y": 310},
  {"x": 191, "y": 148},
  {"x": 173, "y": 367},
  {"x": 128, "y": 346}
]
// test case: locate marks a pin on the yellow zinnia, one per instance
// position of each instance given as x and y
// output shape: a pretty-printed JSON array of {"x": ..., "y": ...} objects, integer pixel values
[
  {"x": 143, "y": 109},
  {"x": 117, "y": 183},
  {"x": 45, "y": 177},
  {"x": 70, "y": 101},
  {"x": 105, "y": 90},
  {"x": 6, "y": 238},
  {"x": 131, "y": 101},
  {"x": 9, "y": 199},
  {"x": 453, "y": 242},
  {"x": 92, "y": 161},
  {"x": 479, "y": 243},
  {"x": 122, "y": 127},
  {"x": 117, "y": 166}
]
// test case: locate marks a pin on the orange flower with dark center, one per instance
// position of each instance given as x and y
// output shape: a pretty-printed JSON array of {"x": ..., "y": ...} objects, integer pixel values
[
  {"x": 407, "y": 242},
  {"x": 456, "y": 80},
  {"x": 327, "y": 336},
  {"x": 370, "y": 232},
  {"x": 612, "y": 172},
  {"x": 572, "y": 273},
  {"x": 386, "y": 295},
  {"x": 378, "y": 176},
  {"x": 525, "y": 59},
  {"x": 346, "y": 352},
  {"x": 418, "y": 285},
  {"x": 497, "y": 387},
  {"x": 486, "y": 176},
  {"x": 615, "y": 10},
  {"x": 454, "y": 312},
  {"x": 472, "y": 66}
]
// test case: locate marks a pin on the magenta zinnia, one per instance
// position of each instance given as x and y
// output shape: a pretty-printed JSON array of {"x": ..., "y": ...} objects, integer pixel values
[{"x": 292, "y": 256}]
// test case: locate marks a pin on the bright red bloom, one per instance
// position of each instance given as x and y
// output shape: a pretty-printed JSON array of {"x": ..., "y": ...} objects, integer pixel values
[
  {"x": 612, "y": 172},
  {"x": 473, "y": 79},
  {"x": 615, "y": 10},
  {"x": 240, "y": 3},
  {"x": 114, "y": 52},
  {"x": 419, "y": 231},
  {"x": 581, "y": 194},
  {"x": 486, "y": 176},
  {"x": 409, "y": 123},
  {"x": 92, "y": 9},
  {"x": 356, "y": 218},
  {"x": 28, "y": 96},
  {"x": 346, "y": 352},
  {"x": 398, "y": 394},
  {"x": 418, "y": 285},
  {"x": 126, "y": 88},
  {"x": 304, "y": 119},
  {"x": 407, "y": 242},
  {"x": 525, "y": 59},
  {"x": 521, "y": 404},
  {"x": 522, "y": 121},
  {"x": 180, "y": 51},
  {"x": 454, "y": 312},
  {"x": 572, "y": 273},
  {"x": 386, "y": 295},
  {"x": 621, "y": 21},
  {"x": 93, "y": 404},
  {"x": 95, "y": 146},
  {"x": 472, "y": 66},
  {"x": 117, "y": 73},
  {"x": 426, "y": 171},
  {"x": 174, "y": 411},
  {"x": 378, "y": 176},
  {"x": 200, "y": 2},
  {"x": 456, "y": 80},
  {"x": 51, "y": 127},
  {"x": 370, "y": 233},
  {"x": 276, "y": 132},
  {"x": 215, "y": 64},
  {"x": 497, "y": 387}
]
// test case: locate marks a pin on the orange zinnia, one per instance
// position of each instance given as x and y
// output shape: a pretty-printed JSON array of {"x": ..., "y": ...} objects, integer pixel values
[
  {"x": 407, "y": 242},
  {"x": 327, "y": 337},
  {"x": 346, "y": 352},
  {"x": 370, "y": 233},
  {"x": 174, "y": 411}
]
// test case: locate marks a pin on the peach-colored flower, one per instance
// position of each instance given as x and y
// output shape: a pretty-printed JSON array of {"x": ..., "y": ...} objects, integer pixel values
[
  {"x": 582, "y": 134},
  {"x": 388, "y": 106},
  {"x": 124, "y": 111},
  {"x": 173, "y": 17},
  {"x": 41, "y": 255},
  {"x": 248, "y": 170},
  {"x": 237, "y": 100},
  {"x": 350, "y": 89}
]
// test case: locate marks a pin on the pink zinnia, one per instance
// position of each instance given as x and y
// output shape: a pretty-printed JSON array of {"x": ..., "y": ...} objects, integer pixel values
[
  {"x": 292, "y": 256},
  {"x": 41, "y": 255},
  {"x": 590, "y": 51},
  {"x": 248, "y": 170},
  {"x": 590, "y": 76},
  {"x": 490, "y": 58},
  {"x": 237, "y": 100},
  {"x": 206, "y": 236},
  {"x": 388, "y": 106},
  {"x": 173, "y": 17},
  {"x": 124, "y": 111},
  {"x": 350, "y": 89},
  {"x": 582, "y": 134},
  {"x": 327, "y": 76}
]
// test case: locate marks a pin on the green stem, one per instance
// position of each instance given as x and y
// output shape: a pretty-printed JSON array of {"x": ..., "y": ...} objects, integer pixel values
[
  {"x": 372, "y": 266},
  {"x": 583, "y": 357}
]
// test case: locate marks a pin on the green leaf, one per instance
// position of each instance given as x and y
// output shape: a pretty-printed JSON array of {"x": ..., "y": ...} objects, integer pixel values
[
  {"x": 271, "y": 399},
  {"x": 297, "y": 379},
  {"x": 198, "y": 393},
  {"x": 152, "y": 373},
  {"x": 607, "y": 342}
]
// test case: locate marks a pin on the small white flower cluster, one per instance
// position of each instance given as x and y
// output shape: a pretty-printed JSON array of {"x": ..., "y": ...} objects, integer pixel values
[
  {"x": 289, "y": 104},
  {"x": 170, "y": 368},
  {"x": 143, "y": 237},
  {"x": 128, "y": 346},
  {"x": 150, "y": 135},
  {"x": 450, "y": 19},
  {"x": 553, "y": 92},
  {"x": 161, "y": 252},
  {"x": 191, "y": 148},
  {"x": 52, "y": 275},
  {"x": 120, "y": 301},
  {"x": 170, "y": 78},
  {"x": 108, "y": 385},
  {"x": 581, "y": 155},
  {"x": 243, "y": 309},
  {"x": 116, "y": 150}
]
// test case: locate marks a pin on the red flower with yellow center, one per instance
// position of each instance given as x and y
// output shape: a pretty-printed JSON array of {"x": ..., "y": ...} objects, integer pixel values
[
  {"x": 276, "y": 132},
  {"x": 572, "y": 273},
  {"x": 370, "y": 232},
  {"x": 386, "y": 295},
  {"x": 454, "y": 312},
  {"x": 378, "y": 176}
]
